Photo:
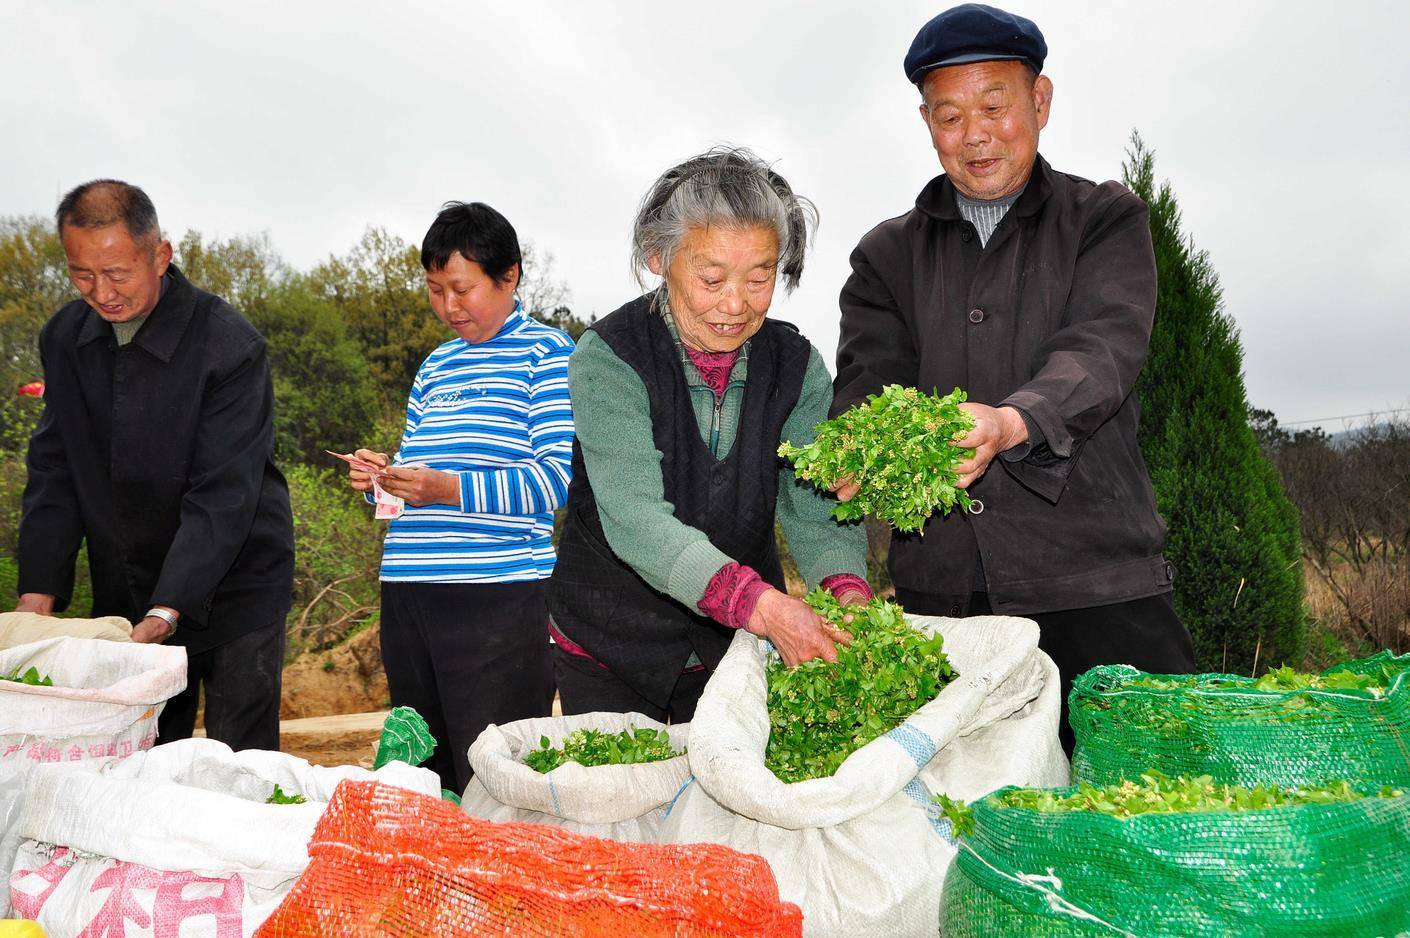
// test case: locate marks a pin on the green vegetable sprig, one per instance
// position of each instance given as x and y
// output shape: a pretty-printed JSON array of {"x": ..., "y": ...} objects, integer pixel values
[
  {"x": 1156, "y": 793},
  {"x": 821, "y": 713},
  {"x": 597, "y": 747},
  {"x": 899, "y": 447},
  {"x": 281, "y": 797},
  {"x": 30, "y": 677}
]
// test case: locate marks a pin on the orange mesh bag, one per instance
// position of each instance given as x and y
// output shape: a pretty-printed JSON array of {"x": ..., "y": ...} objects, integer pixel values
[{"x": 386, "y": 861}]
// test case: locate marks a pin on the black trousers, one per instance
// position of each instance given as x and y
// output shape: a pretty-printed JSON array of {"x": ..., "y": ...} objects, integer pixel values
[
  {"x": 465, "y": 656},
  {"x": 242, "y": 681},
  {"x": 1145, "y": 633},
  {"x": 586, "y": 687}
]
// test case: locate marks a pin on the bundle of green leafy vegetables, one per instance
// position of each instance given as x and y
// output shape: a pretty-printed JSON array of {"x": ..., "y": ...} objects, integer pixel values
[
  {"x": 1279, "y": 680},
  {"x": 279, "y": 796},
  {"x": 598, "y": 747},
  {"x": 821, "y": 713},
  {"x": 1281, "y": 686},
  {"x": 898, "y": 446},
  {"x": 1157, "y": 793},
  {"x": 31, "y": 677}
]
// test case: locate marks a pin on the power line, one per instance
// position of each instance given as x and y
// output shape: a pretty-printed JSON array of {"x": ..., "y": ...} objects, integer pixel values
[{"x": 1369, "y": 413}]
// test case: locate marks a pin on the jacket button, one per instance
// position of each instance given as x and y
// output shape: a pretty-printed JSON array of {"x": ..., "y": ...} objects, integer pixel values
[
  {"x": 976, "y": 507},
  {"x": 966, "y": 236},
  {"x": 955, "y": 609},
  {"x": 976, "y": 315}
]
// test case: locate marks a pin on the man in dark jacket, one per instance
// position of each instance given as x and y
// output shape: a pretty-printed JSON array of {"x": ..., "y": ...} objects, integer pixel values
[
  {"x": 154, "y": 449},
  {"x": 1034, "y": 291}
]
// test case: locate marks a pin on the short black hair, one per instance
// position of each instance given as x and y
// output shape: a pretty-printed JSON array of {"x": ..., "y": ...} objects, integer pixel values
[
  {"x": 477, "y": 233},
  {"x": 104, "y": 202}
]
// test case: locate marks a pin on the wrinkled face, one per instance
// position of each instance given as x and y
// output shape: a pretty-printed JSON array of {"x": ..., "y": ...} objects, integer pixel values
[
  {"x": 721, "y": 282},
  {"x": 118, "y": 277},
  {"x": 468, "y": 300},
  {"x": 984, "y": 120}
]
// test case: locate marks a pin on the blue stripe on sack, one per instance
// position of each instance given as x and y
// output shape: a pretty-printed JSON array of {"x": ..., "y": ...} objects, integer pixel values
[
  {"x": 670, "y": 807},
  {"x": 938, "y": 822},
  {"x": 918, "y": 745},
  {"x": 553, "y": 790}
]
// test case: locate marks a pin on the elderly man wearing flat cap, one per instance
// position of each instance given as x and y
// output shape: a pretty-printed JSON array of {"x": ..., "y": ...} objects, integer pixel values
[{"x": 1035, "y": 291}]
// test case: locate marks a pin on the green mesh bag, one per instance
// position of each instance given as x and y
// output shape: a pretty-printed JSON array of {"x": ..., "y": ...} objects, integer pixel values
[
  {"x": 1225, "y": 727},
  {"x": 405, "y": 738},
  {"x": 1333, "y": 870}
]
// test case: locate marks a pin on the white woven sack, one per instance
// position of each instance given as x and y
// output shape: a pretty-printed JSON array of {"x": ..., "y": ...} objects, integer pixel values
[
  {"x": 864, "y": 852},
  {"x": 105, "y": 700},
  {"x": 21, "y": 628},
  {"x": 619, "y": 802},
  {"x": 178, "y": 840}
]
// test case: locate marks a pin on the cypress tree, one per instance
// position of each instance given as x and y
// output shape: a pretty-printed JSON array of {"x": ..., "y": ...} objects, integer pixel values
[{"x": 1233, "y": 534}]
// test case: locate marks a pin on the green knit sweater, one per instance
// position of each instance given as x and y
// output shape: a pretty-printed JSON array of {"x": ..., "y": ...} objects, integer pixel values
[{"x": 612, "y": 415}]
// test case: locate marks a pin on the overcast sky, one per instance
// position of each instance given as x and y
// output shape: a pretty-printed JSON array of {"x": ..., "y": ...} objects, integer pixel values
[{"x": 1283, "y": 127}]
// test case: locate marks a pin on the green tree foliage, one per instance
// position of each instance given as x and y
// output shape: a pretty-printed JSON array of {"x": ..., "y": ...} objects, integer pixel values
[
  {"x": 380, "y": 289},
  {"x": 1233, "y": 534},
  {"x": 33, "y": 283}
]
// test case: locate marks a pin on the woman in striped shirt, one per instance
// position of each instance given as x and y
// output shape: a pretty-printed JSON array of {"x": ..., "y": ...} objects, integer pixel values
[{"x": 485, "y": 459}]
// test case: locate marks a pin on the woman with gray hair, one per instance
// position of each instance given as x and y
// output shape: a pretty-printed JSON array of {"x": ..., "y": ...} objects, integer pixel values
[{"x": 681, "y": 399}]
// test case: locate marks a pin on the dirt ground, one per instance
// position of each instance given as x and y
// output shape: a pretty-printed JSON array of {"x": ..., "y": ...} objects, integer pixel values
[{"x": 334, "y": 703}]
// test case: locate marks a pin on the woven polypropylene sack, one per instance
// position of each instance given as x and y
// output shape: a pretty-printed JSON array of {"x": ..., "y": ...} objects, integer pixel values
[
  {"x": 105, "y": 699},
  {"x": 620, "y": 802},
  {"x": 1239, "y": 734},
  {"x": 1332, "y": 870},
  {"x": 103, "y": 704},
  {"x": 390, "y": 863},
  {"x": 180, "y": 837},
  {"x": 864, "y": 851}
]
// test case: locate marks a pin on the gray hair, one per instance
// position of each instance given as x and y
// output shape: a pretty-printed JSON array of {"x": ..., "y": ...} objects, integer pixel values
[
  {"x": 726, "y": 186},
  {"x": 104, "y": 202}
]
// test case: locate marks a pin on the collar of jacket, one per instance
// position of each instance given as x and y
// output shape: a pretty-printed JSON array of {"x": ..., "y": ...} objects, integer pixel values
[
  {"x": 162, "y": 331},
  {"x": 937, "y": 199}
]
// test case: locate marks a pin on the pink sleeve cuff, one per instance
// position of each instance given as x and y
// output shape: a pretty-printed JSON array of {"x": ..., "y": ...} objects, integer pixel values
[
  {"x": 732, "y": 594},
  {"x": 840, "y": 583}
]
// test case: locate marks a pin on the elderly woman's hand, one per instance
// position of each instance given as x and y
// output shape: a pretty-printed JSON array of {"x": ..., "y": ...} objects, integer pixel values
[
  {"x": 420, "y": 486},
  {"x": 798, "y": 632}
]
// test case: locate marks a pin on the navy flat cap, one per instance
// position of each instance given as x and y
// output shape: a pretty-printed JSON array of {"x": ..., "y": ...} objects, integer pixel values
[{"x": 973, "y": 32}]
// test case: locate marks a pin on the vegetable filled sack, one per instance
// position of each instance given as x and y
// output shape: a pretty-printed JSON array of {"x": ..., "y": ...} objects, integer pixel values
[
  {"x": 1350, "y": 721},
  {"x": 865, "y": 850},
  {"x": 101, "y": 698},
  {"x": 619, "y": 802},
  {"x": 182, "y": 840},
  {"x": 1328, "y": 868},
  {"x": 75, "y": 700},
  {"x": 394, "y": 864}
]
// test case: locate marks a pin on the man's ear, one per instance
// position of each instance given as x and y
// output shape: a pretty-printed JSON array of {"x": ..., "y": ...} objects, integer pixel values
[
  {"x": 162, "y": 255},
  {"x": 1042, "y": 99},
  {"x": 653, "y": 263}
]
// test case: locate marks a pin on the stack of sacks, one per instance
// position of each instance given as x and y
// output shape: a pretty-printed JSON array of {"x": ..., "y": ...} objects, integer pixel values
[
  {"x": 191, "y": 837},
  {"x": 619, "y": 802},
  {"x": 101, "y": 702},
  {"x": 865, "y": 851}
]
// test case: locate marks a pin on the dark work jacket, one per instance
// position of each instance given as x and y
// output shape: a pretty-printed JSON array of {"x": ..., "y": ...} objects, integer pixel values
[
  {"x": 158, "y": 453},
  {"x": 1052, "y": 317},
  {"x": 596, "y": 599}
]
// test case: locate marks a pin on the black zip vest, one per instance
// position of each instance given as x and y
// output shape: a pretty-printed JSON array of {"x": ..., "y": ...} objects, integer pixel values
[{"x": 644, "y": 636}]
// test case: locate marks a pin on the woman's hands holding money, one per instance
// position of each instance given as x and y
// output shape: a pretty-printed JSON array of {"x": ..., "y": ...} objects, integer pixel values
[{"x": 360, "y": 479}]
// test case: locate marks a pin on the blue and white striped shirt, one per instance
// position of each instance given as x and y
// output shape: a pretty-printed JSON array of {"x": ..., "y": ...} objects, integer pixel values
[{"x": 497, "y": 415}]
